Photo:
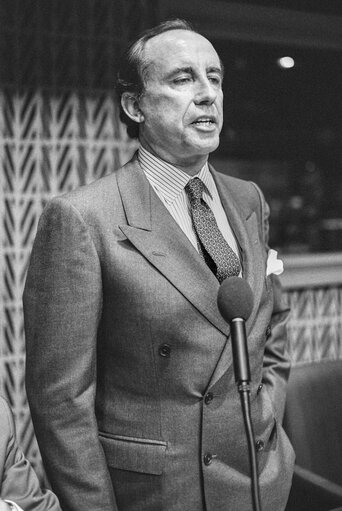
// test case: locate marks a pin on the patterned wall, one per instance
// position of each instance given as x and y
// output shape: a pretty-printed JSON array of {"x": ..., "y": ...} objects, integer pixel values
[
  {"x": 315, "y": 326},
  {"x": 59, "y": 128},
  {"x": 48, "y": 144}
]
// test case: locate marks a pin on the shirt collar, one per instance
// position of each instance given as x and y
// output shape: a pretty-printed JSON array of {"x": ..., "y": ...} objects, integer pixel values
[{"x": 169, "y": 179}]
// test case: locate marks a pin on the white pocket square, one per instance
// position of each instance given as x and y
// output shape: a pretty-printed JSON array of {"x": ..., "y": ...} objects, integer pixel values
[{"x": 274, "y": 265}]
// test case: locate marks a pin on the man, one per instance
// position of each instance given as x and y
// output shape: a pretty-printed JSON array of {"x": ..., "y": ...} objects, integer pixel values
[
  {"x": 19, "y": 485},
  {"x": 129, "y": 368}
]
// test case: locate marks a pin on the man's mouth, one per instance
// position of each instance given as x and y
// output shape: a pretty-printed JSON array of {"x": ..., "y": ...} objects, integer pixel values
[
  {"x": 204, "y": 122},
  {"x": 204, "y": 119}
]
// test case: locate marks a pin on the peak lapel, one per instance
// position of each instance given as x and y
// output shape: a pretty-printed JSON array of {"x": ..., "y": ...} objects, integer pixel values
[
  {"x": 245, "y": 227},
  {"x": 153, "y": 231},
  {"x": 244, "y": 223}
]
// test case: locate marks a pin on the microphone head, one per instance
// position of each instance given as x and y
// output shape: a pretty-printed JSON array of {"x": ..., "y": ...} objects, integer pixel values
[{"x": 235, "y": 299}]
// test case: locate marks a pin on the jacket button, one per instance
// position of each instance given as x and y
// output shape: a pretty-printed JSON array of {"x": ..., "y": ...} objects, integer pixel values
[
  {"x": 164, "y": 350},
  {"x": 259, "y": 445},
  {"x": 268, "y": 331},
  {"x": 260, "y": 388},
  {"x": 207, "y": 459},
  {"x": 208, "y": 398}
]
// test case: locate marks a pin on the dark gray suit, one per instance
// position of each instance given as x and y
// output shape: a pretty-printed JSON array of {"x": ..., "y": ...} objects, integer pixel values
[{"x": 124, "y": 341}]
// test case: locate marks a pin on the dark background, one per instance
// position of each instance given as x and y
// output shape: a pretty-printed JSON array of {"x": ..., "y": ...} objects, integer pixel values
[{"x": 282, "y": 127}]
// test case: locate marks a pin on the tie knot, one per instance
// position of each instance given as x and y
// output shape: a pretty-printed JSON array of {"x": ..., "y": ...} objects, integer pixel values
[{"x": 194, "y": 189}]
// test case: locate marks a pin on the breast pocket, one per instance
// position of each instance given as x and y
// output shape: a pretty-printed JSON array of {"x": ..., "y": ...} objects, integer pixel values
[{"x": 134, "y": 454}]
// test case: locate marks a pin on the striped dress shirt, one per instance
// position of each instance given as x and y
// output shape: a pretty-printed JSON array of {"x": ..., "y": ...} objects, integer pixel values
[{"x": 169, "y": 182}]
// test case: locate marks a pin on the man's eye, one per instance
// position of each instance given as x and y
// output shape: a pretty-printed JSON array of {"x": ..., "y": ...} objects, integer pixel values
[
  {"x": 215, "y": 79},
  {"x": 182, "y": 79}
]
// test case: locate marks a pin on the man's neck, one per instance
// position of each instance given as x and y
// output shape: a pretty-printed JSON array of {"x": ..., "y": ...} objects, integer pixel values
[{"x": 189, "y": 166}]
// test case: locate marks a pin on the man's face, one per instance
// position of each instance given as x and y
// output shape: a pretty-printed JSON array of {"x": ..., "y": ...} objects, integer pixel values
[{"x": 182, "y": 104}]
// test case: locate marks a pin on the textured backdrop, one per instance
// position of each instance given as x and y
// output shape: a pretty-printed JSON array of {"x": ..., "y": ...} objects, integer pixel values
[{"x": 59, "y": 128}]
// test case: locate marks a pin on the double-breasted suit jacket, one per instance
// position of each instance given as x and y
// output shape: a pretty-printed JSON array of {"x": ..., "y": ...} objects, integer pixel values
[
  {"x": 129, "y": 363},
  {"x": 18, "y": 481}
]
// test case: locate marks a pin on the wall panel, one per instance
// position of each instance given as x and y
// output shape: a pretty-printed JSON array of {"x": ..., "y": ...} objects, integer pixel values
[
  {"x": 59, "y": 128},
  {"x": 315, "y": 326}
]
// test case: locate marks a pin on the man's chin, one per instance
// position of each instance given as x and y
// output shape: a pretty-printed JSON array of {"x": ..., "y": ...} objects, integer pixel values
[{"x": 207, "y": 146}]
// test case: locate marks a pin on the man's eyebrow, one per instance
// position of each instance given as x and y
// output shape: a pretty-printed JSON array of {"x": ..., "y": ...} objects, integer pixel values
[
  {"x": 178, "y": 70},
  {"x": 215, "y": 69}
]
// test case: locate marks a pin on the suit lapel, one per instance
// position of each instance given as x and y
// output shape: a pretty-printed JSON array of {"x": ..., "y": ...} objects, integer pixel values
[
  {"x": 153, "y": 231},
  {"x": 245, "y": 227}
]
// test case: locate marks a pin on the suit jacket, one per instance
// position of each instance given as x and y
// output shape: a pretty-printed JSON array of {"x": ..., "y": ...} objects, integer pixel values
[
  {"x": 18, "y": 481},
  {"x": 125, "y": 343}
]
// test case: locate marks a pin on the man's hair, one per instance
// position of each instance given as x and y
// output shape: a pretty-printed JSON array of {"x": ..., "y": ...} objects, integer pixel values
[{"x": 132, "y": 68}]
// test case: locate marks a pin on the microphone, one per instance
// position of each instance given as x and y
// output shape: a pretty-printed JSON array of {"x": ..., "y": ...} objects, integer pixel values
[{"x": 235, "y": 303}]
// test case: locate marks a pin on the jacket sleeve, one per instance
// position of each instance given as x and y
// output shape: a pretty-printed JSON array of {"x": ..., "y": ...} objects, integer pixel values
[
  {"x": 62, "y": 308},
  {"x": 276, "y": 364},
  {"x": 19, "y": 482}
]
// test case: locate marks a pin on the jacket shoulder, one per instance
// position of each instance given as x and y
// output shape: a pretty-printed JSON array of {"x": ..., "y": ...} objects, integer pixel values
[
  {"x": 99, "y": 195},
  {"x": 244, "y": 192},
  {"x": 98, "y": 190}
]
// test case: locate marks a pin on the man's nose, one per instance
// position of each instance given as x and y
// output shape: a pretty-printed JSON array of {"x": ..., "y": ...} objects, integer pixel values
[{"x": 205, "y": 92}]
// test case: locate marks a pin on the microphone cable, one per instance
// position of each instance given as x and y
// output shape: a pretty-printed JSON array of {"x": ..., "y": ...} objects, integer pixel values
[{"x": 235, "y": 303}]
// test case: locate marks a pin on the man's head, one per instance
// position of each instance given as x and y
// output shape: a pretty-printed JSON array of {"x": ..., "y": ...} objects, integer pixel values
[{"x": 171, "y": 90}]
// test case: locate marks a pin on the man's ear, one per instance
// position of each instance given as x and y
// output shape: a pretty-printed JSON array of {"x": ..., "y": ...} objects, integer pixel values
[{"x": 130, "y": 105}]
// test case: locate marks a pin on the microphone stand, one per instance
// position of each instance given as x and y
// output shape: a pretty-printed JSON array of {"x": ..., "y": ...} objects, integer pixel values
[{"x": 242, "y": 379}]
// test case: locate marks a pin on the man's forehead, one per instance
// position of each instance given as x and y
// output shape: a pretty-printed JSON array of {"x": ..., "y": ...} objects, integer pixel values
[{"x": 179, "y": 48}]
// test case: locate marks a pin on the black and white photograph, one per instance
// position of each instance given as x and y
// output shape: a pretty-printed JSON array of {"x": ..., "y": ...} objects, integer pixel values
[{"x": 170, "y": 255}]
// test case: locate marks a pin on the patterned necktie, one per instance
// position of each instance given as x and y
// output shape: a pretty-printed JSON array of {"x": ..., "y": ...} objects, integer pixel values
[{"x": 218, "y": 255}]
